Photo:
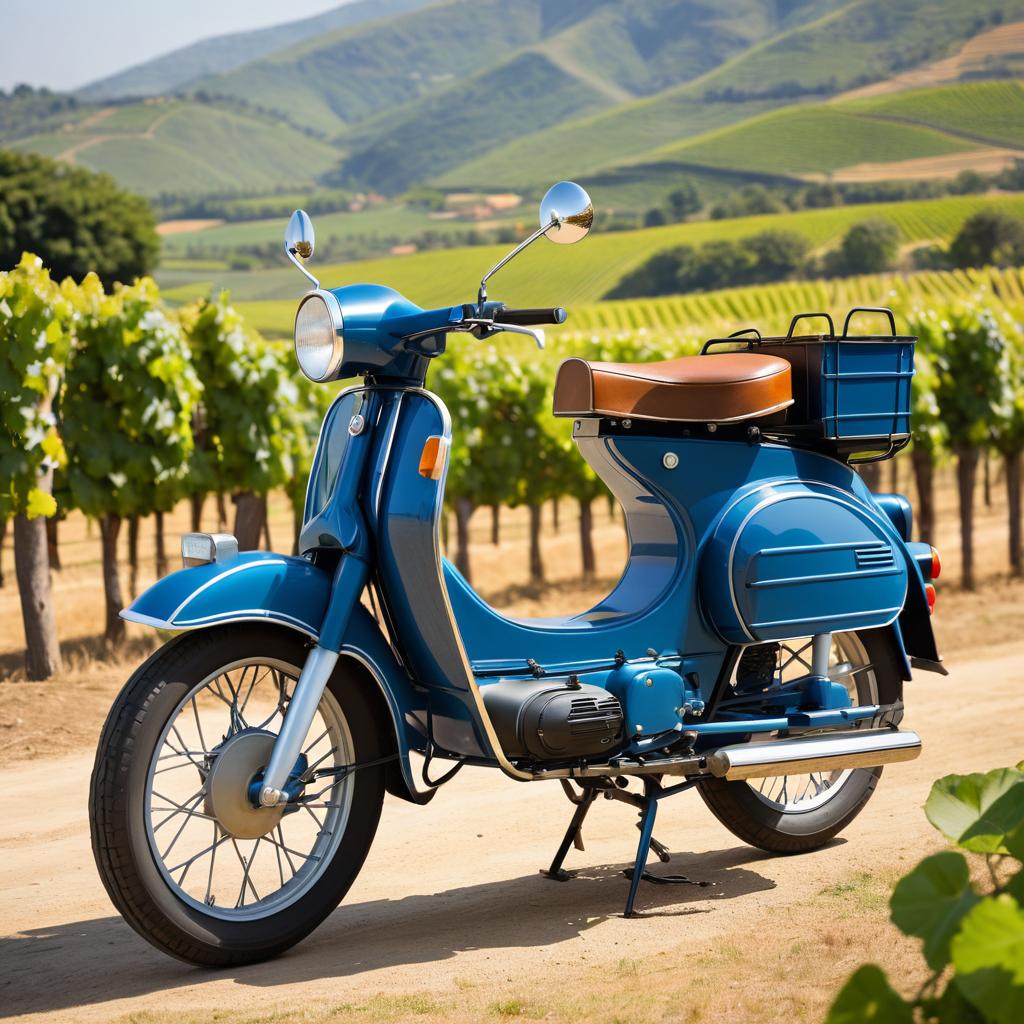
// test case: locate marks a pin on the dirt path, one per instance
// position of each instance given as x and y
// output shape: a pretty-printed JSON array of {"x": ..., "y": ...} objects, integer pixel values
[{"x": 450, "y": 920}]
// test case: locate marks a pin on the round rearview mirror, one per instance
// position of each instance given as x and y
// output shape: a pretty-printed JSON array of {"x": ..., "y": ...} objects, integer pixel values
[
  {"x": 567, "y": 212},
  {"x": 298, "y": 236}
]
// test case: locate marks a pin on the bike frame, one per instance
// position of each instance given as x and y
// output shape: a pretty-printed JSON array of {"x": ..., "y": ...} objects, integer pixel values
[{"x": 698, "y": 512}]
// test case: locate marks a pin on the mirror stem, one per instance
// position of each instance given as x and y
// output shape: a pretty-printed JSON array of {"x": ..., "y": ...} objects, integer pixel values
[
  {"x": 482, "y": 295},
  {"x": 290, "y": 253}
]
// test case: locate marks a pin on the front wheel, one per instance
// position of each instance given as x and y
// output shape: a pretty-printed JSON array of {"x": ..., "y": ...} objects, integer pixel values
[
  {"x": 188, "y": 860},
  {"x": 797, "y": 813}
]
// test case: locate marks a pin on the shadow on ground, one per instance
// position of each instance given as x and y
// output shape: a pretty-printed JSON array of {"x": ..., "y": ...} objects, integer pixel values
[{"x": 48, "y": 969}]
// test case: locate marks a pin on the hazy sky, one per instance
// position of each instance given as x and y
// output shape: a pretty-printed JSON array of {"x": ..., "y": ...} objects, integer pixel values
[{"x": 66, "y": 43}]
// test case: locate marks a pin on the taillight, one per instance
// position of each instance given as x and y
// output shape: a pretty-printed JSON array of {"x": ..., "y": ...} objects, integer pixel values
[
  {"x": 929, "y": 591},
  {"x": 936, "y": 565}
]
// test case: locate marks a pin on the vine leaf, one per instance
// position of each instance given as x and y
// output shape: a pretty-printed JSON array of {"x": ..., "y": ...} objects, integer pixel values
[
  {"x": 978, "y": 811},
  {"x": 868, "y": 998},
  {"x": 988, "y": 954},
  {"x": 931, "y": 901}
]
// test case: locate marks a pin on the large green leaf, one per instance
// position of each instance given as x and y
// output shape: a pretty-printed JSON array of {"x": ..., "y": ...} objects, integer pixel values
[
  {"x": 1015, "y": 842},
  {"x": 951, "y": 1007},
  {"x": 988, "y": 954},
  {"x": 868, "y": 997},
  {"x": 978, "y": 811},
  {"x": 931, "y": 901}
]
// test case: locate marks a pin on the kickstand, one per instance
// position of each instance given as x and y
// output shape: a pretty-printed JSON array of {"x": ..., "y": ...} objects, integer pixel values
[
  {"x": 573, "y": 834},
  {"x": 653, "y": 792}
]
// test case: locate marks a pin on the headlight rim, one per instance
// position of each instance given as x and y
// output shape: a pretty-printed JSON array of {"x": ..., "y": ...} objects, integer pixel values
[{"x": 330, "y": 301}]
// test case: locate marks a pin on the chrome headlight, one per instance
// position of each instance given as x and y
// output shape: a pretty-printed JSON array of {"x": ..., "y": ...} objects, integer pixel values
[{"x": 319, "y": 345}]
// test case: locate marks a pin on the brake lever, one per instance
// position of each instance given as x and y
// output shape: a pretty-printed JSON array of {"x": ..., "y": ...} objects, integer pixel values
[{"x": 538, "y": 336}]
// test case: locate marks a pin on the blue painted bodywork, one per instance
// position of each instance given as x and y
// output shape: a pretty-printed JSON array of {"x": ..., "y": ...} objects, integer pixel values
[
  {"x": 738, "y": 543},
  {"x": 255, "y": 585}
]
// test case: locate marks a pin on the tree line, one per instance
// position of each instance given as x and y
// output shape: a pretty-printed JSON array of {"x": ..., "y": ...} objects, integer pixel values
[
  {"x": 117, "y": 407},
  {"x": 986, "y": 238},
  {"x": 120, "y": 408}
]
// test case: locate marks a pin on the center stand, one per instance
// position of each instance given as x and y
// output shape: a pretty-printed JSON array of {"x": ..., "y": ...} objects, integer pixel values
[{"x": 647, "y": 805}]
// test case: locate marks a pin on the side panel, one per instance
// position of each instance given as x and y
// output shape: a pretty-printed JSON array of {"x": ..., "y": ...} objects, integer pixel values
[{"x": 799, "y": 560}]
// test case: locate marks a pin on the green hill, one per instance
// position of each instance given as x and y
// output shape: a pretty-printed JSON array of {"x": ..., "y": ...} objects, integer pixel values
[
  {"x": 188, "y": 148},
  {"x": 511, "y": 94},
  {"x": 862, "y": 41},
  {"x": 555, "y": 275},
  {"x": 818, "y": 138}
]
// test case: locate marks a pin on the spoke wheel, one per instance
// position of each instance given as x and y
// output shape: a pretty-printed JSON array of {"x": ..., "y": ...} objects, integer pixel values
[
  {"x": 795, "y": 813},
  {"x": 192, "y": 864},
  {"x": 215, "y": 849}
]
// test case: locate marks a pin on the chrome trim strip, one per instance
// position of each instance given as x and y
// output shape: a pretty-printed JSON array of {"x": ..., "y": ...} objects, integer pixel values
[
  {"x": 387, "y": 456},
  {"x": 470, "y": 681},
  {"x": 216, "y": 579},
  {"x": 249, "y": 615}
]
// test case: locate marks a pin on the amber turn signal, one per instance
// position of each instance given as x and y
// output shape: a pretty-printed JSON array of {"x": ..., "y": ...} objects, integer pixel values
[
  {"x": 435, "y": 450},
  {"x": 936, "y": 565},
  {"x": 929, "y": 591}
]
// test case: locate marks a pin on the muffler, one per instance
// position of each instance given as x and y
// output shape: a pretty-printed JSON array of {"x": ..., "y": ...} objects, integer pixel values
[{"x": 860, "y": 748}]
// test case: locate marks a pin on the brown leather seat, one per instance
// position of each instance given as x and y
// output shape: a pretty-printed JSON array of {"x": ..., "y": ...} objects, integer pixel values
[{"x": 718, "y": 388}]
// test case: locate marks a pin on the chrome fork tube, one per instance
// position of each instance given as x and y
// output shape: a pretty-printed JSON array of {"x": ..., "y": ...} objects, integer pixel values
[
  {"x": 821, "y": 650},
  {"x": 309, "y": 688},
  {"x": 349, "y": 581}
]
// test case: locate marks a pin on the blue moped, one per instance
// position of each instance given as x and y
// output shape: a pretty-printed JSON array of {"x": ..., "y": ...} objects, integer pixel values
[{"x": 754, "y": 649}]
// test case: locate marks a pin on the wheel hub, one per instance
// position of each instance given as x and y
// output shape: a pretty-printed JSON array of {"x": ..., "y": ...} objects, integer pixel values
[{"x": 238, "y": 761}]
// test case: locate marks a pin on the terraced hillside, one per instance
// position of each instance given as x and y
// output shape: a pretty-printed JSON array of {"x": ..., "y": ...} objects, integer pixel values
[
  {"x": 186, "y": 147},
  {"x": 865, "y": 40},
  {"x": 550, "y": 274},
  {"x": 510, "y": 94},
  {"x": 988, "y": 112}
]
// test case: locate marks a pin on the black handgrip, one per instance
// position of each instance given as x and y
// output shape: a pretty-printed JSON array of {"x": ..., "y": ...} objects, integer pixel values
[
  {"x": 810, "y": 316},
  {"x": 531, "y": 317},
  {"x": 885, "y": 310}
]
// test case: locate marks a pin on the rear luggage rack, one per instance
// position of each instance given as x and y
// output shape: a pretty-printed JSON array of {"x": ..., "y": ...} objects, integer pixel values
[{"x": 851, "y": 393}]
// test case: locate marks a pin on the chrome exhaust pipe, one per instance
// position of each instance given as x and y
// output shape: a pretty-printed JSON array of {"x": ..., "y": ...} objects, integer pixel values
[{"x": 860, "y": 748}]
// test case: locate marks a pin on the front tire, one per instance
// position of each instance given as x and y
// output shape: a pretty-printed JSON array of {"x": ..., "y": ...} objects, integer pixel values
[
  {"x": 795, "y": 814},
  {"x": 153, "y": 810}
]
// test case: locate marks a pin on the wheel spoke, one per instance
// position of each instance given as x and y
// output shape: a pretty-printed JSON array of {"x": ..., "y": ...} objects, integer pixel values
[
  {"x": 302, "y": 843},
  {"x": 246, "y": 866},
  {"x": 191, "y": 860},
  {"x": 188, "y": 811},
  {"x": 191, "y": 801}
]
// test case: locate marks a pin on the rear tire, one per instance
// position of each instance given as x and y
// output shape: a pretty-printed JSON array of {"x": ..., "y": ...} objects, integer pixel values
[
  {"x": 779, "y": 828},
  {"x": 120, "y": 802}
]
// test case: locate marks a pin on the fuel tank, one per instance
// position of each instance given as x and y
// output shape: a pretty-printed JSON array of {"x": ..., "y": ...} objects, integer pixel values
[{"x": 798, "y": 558}]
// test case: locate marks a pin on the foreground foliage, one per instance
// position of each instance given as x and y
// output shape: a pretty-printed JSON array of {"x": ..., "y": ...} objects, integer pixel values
[{"x": 967, "y": 908}]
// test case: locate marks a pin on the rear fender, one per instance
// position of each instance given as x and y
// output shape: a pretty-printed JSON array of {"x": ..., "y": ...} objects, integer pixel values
[{"x": 265, "y": 587}]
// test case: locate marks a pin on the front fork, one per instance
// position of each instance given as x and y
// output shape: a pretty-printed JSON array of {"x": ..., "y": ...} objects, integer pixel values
[{"x": 349, "y": 580}]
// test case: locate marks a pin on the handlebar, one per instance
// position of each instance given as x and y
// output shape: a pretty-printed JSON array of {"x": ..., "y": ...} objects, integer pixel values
[{"x": 532, "y": 317}]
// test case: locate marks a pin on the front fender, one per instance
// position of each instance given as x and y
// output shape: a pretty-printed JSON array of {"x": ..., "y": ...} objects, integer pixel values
[
  {"x": 254, "y": 585},
  {"x": 261, "y": 586}
]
